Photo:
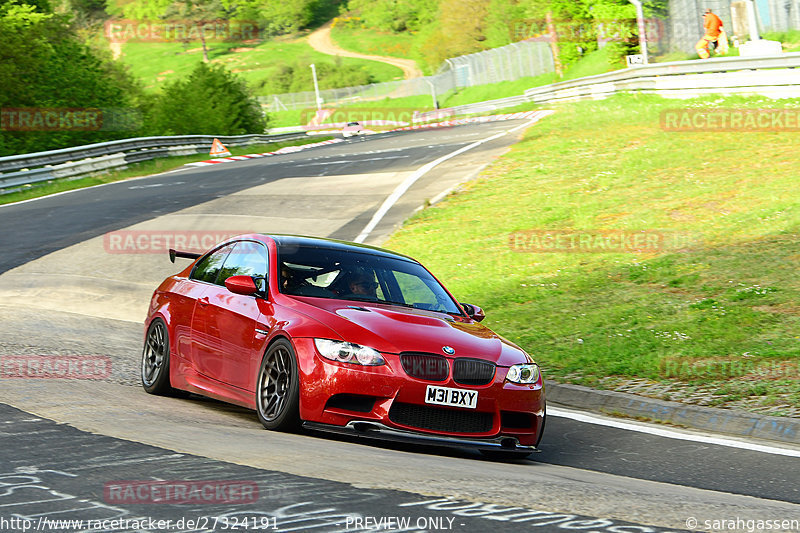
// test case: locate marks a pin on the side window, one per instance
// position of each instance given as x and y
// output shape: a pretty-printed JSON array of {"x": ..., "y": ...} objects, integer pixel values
[
  {"x": 248, "y": 258},
  {"x": 415, "y": 291},
  {"x": 208, "y": 268}
]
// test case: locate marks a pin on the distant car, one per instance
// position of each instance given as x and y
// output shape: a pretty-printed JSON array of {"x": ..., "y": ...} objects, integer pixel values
[
  {"x": 340, "y": 337},
  {"x": 352, "y": 129}
]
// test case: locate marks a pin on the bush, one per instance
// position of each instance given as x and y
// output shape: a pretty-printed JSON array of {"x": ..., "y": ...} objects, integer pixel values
[{"x": 210, "y": 101}]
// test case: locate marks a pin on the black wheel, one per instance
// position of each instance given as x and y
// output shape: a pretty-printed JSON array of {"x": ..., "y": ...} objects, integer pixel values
[
  {"x": 278, "y": 388},
  {"x": 155, "y": 359}
]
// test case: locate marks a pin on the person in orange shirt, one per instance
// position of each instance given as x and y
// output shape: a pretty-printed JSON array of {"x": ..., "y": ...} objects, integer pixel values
[{"x": 712, "y": 25}]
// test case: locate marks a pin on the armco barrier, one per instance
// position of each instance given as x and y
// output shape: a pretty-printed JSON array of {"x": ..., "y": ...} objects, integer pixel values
[
  {"x": 772, "y": 76},
  {"x": 18, "y": 170},
  {"x": 775, "y": 77}
]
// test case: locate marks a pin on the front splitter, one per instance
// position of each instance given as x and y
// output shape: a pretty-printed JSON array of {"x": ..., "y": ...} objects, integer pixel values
[{"x": 376, "y": 431}]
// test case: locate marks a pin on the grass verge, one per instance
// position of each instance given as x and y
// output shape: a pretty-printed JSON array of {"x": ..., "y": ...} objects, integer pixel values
[
  {"x": 371, "y": 41},
  {"x": 159, "y": 63},
  {"x": 145, "y": 168},
  {"x": 715, "y": 320}
]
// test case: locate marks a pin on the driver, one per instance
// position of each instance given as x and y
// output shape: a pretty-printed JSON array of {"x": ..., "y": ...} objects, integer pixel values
[
  {"x": 361, "y": 284},
  {"x": 290, "y": 281}
]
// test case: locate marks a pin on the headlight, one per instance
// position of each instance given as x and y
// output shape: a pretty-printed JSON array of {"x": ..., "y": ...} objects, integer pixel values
[
  {"x": 347, "y": 352},
  {"x": 524, "y": 374}
]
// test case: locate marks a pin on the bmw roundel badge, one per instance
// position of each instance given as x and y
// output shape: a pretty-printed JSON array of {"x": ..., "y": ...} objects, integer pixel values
[{"x": 449, "y": 350}]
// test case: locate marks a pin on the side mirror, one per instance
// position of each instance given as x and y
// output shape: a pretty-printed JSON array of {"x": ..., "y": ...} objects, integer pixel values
[
  {"x": 474, "y": 312},
  {"x": 241, "y": 285}
]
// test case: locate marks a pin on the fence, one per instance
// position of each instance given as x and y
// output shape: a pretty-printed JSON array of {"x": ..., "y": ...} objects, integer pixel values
[
  {"x": 507, "y": 63},
  {"x": 683, "y": 26}
]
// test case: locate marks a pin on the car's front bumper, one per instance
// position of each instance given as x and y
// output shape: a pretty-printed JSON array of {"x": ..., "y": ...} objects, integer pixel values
[
  {"x": 396, "y": 401},
  {"x": 375, "y": 430}
]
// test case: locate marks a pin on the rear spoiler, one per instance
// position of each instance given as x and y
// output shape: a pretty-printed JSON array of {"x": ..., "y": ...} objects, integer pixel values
[{"x": 186, "y": 255}]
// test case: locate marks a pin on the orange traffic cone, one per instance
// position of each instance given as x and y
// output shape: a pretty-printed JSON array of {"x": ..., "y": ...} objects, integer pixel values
[{"x": 218, "y": 149}]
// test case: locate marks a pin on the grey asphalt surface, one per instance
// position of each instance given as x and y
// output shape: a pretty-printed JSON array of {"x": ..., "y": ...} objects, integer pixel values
[
  {"x": 33, "y": 229},
  {"x": 64, "y": 475}
]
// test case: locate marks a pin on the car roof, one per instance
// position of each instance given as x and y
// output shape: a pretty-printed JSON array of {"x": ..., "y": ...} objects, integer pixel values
[{"x": 333, "y": 244}]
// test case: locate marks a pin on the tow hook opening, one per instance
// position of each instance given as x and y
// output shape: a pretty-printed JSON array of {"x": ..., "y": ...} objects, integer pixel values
[
  {"x": 364, "y": 427},
  {"x": 509, "y": 443}
]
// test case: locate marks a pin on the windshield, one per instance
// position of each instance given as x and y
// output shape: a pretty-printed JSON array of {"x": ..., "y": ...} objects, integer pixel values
[{"x": 361, "y": 277}]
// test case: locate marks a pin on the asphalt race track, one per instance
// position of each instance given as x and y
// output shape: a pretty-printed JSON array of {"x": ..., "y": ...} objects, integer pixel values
[{"x": 68, "y": 288}]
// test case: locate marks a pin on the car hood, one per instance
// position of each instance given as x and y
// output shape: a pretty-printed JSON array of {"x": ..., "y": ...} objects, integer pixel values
[{"x": 393, "y": 329}]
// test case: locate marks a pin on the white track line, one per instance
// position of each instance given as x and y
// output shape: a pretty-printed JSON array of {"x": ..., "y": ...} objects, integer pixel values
[
  {"x": 401, "y": 189},
  {"x": 70, "y": 191},
  {"x": 669, "y": 433}
]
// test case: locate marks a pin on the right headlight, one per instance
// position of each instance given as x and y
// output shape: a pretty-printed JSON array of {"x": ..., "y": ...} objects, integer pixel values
[
  {"x": 346, "y": 352},
  {"x": 524, "y": 374}
]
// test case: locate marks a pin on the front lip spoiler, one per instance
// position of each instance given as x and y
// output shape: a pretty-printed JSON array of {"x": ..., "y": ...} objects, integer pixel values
[{"x": 375, "y": 430}]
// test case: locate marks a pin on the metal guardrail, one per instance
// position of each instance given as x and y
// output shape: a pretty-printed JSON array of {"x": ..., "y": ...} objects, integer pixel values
[
  {"x": 688, "y": 78},
  {"x": 25, "y": 169},
  {"x": 644, "y": 77}
]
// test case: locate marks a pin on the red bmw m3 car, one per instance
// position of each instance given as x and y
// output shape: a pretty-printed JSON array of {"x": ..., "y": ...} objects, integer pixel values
[{"x": 340, "y": 337}]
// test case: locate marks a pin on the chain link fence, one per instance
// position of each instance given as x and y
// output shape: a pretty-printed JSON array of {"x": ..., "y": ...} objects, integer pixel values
[
  {"x": 507, "y": 63},
  {"x": 683, "y": 27}
]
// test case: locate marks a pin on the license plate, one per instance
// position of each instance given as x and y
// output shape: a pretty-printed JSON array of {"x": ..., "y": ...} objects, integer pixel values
[{"x": 451, "y": 397}]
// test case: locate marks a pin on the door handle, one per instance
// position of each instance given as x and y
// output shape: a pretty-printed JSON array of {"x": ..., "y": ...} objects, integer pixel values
[{"x": 203, "y": 301}]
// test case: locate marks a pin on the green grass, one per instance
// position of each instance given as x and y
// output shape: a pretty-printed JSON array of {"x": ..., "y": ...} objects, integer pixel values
[
  {"x": 145, "y": 168},
  {"x": 790, "y": 39},
  {"x": 371, "y": 41},
  {"x": 596, "y": 62},
  {"x": 159, "y": 63},
  {"x": 492, "y": 91},
  {"x": 673, "y": 316}
]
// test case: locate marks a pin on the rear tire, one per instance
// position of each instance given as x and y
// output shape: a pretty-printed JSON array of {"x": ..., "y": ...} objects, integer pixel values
[
  {"x": 155, "y": 359},
  {"x": 278, "y": 388}
]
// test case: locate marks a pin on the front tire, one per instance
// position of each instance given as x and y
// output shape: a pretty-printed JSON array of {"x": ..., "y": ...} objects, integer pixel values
[
  {"x": 155, "y": 359},
  {"x": 278, "y": 388}
]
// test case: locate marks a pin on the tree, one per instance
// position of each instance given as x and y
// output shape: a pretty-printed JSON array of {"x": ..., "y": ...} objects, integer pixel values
[
  {"x": 45, "y": 65},
  {"x": 198, "y": 13},
  {"x": 210, "y": 101}
]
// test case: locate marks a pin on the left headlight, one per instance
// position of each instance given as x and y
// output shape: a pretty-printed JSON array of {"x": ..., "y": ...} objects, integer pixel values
[
  {"x": 524, "y": 374},
  {"x": 347, "y": 352}
]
